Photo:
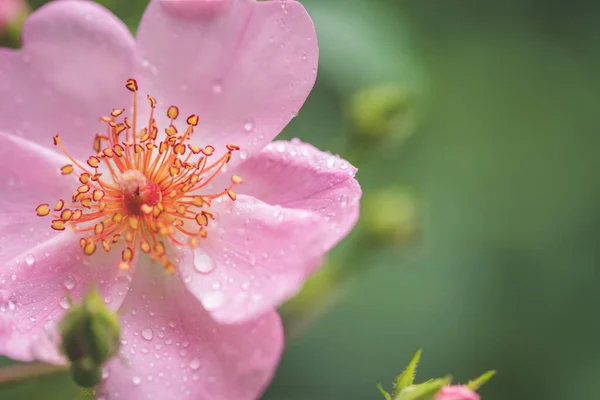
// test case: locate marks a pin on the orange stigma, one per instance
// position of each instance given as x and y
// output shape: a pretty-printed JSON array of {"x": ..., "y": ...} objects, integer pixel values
[{"x": 152, "y": 193}]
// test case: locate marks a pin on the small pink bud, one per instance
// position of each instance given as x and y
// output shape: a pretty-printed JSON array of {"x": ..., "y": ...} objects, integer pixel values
[
  {"x": 10, "y": 10},
  {"x": 456, "y": 392}
]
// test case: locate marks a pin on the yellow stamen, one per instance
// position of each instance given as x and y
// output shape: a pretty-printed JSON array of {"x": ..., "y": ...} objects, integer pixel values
[{"x": 152, "y": 193}]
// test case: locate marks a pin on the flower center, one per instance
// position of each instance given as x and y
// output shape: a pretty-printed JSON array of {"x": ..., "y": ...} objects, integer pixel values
[
  {"x": 138, "y": 190},
  {"x": 150, "y": 193}
]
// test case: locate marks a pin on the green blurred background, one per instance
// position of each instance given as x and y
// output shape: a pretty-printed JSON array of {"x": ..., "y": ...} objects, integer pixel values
[{"x": 481, "y": 149}]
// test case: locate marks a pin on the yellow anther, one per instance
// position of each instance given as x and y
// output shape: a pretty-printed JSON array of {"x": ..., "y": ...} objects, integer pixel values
[
  {"x": 131, "y": 85},
  {"x": 93, "y": 161},
  {"x": 173, "y": 112},
  {"x": 43, "y": 210},
  {"x": 67, "y": 169},
  {"x": 58, "y": 225},
  {"x": 192, "y": 120}
]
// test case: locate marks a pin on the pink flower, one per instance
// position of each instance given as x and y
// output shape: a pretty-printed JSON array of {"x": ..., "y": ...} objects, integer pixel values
[
  {"x": 456, "y": 392},
  {"x": 201, "y": 260},
  {"x": 9, "y": 10}
]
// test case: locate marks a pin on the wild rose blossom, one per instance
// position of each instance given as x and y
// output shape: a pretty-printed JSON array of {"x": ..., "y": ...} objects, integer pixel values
[
  {"x": 176, "y": 206},
  {"x": 456, "y": 392}
]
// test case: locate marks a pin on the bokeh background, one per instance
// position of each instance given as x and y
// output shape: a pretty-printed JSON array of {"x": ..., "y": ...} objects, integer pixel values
[{"x": 475, "y": 126}]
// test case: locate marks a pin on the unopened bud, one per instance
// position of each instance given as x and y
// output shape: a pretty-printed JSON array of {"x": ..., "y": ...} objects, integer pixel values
[
  {"x": 456, "y": 392},
  {"x": 391, "y": 214},
  {"x": 90, "y": 336},
  {"x": 380, "y": 110},
  {"x": 12, "y": 16},
  {"x": 85, "y": 373}
]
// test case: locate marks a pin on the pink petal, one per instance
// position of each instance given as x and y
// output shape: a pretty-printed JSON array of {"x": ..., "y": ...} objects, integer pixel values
[
  {"x": 456, "y": 392},
  {"x": 255, "y": 257},
  {"x": 33, "y": 289},
  {"x": 299, "y": 176},
  {"x": 72, "y": 69},
  {"x": 245, "y": 67},
  {"x": 30, "y": 176},
  {"x": 174, "y": 349}
]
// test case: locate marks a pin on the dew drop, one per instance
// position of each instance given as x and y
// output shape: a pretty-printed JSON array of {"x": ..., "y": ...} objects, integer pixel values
[
  {"x": 243, "y": 154},
  {"x": 203, "y": 263},
  {"x": 147, "y": 334},
  {"x": 30, "y": 259},
  {"x": 331, "y": 162},
  {"x": 105, "y": 373},
  {"x": 195, "y": 364},
  {"x": 248, "y": 125},
  {"x": 213, "y": 300},
  {"x": 64, "y": 303},
  {"x": 136, "y": 380},
  {"x": 12, "y": 305},
  {"x": 32, "y": 319},
  {"x": 69, "y": 282}
]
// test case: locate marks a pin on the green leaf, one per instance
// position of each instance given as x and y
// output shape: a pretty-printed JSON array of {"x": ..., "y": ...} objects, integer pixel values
[
  {"x": 383, "y": 392},
  {"x": 407, "y": 377},
  {"x": 478, "y": 382},
  {"x": 423, "y": 391}
]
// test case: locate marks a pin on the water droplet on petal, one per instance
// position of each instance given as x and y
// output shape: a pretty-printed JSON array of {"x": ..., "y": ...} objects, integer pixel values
[
  {"x": 64, "y": 303},
  {"x": 331, "y": 162},
  {"x": 105, "y": 373},
  {"x": 203, "y": 263},
  {"x": 30, "y": 259},
  {"x": 243, "y": 154},
  {"x": 32, "y": 319},
  {"x": 248, "y": 125},
  {"x": 147, "y": 334},
  {"x": 136, "y": 380},
  {"x": 213, "y": 300},
  {"x": 69, "y": 282},
  {"x": 195, "y": 364}
]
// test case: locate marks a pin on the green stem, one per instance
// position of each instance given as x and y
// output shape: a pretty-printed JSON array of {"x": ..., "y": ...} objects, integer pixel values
[{"x": 18, "y": 372}]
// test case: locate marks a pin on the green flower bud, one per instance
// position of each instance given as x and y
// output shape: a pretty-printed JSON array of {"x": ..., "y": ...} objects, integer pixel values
[
  {"x": 90, "y": 336},
  {"x": 391, "y": 215},
  {"x": 85, "y": 373},
  {"x": 380, "y": 110}
]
